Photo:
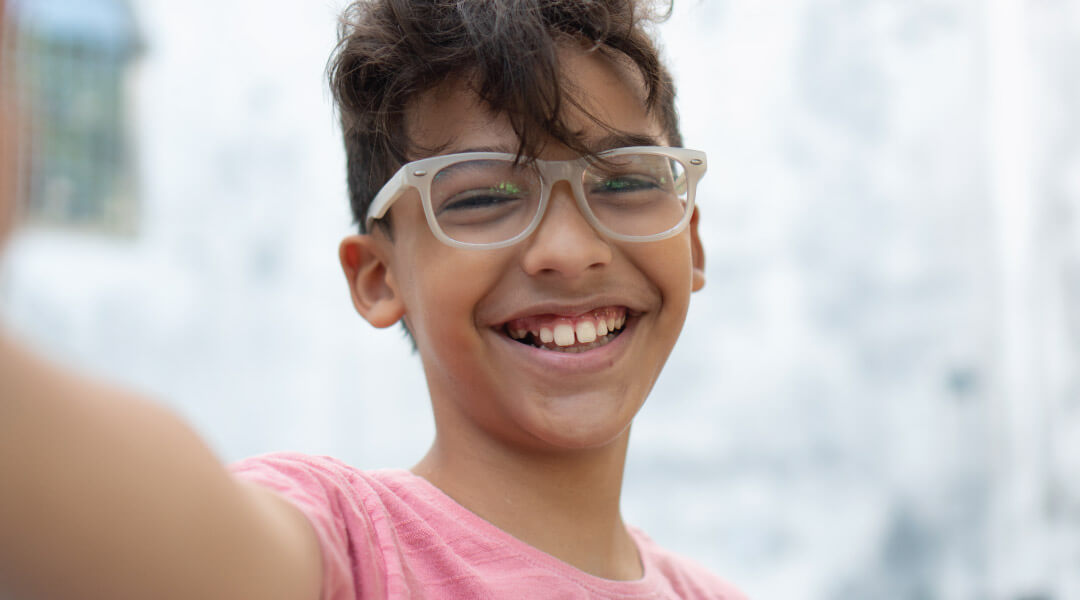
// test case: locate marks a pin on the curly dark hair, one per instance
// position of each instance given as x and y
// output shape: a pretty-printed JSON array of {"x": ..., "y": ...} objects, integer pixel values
[{"x": 391, "y": 51}]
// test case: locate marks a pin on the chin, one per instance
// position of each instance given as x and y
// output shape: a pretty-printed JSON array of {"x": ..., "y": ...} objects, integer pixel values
[{"x": 578, "y": 423}]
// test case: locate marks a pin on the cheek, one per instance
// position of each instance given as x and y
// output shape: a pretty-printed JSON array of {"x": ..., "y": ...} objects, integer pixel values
[
  {"x": 444, "y": 294},
  {"x": 670, "y": 268}
]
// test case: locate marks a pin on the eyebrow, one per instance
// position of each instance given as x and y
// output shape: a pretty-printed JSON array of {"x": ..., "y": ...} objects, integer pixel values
[
  {"x": 502, "y": 149},
  {"x": 611, "y": 141},
  {"x": 623, "y": 139}
]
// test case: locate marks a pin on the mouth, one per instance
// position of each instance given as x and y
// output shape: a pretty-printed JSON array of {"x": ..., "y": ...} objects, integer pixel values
[{"x": 569, "y": 335}]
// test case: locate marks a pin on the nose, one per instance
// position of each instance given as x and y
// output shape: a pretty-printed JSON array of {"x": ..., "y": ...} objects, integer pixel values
[{"x": 564, "y": 243}]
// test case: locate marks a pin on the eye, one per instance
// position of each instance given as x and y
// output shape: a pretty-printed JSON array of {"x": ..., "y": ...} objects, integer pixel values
[
  {"x": 492, "y": 197},
  {"x": 626, "y": 183},
  {"x": 476, "y": 202}
]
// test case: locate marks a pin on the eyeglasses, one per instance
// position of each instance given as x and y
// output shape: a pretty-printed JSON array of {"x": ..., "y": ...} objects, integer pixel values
[{"x": 493, "y": 200}]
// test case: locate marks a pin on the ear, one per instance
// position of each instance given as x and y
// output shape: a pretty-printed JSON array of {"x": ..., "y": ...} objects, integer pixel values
[
  {"x": 371, "y": 282},
  {"x": 697, "y": 253}
]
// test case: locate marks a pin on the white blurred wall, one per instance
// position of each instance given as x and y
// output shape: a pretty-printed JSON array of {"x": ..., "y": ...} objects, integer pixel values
[{"x": 877, "y": 393}]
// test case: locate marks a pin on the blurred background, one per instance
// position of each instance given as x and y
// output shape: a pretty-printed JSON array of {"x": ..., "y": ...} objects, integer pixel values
[{"x": 877, "y": 395}]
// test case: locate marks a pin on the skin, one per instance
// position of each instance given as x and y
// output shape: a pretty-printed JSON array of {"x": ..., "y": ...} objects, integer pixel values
[
  {"x": 520, "y": 434},
  {"x": 117, "y": 498},
  {"x": 109, "y": 496}
]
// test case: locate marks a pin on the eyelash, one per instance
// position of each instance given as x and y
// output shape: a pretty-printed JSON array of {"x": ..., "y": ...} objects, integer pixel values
[
  {"x": 630, "y": 183},
  {"x": 484, "y": 199}
]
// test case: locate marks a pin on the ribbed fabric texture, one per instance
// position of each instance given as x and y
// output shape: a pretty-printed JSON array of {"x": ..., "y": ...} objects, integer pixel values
[{"x": 390, "y": 534}]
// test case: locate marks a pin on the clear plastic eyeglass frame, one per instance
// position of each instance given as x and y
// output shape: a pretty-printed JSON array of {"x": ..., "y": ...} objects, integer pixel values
[{"x": 419, "y": 175}]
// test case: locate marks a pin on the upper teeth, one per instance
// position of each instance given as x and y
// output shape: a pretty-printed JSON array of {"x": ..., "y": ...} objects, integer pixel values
[
  {"x": 563, "y": 334},
  {"x": 546, "y": 335},
  {"x": 586, "y": 332}
]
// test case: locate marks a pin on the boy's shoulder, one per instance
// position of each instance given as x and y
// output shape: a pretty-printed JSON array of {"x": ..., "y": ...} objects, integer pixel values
[
  {"x": 386, "y": 530},
  {"x": 334, "y": 482}
]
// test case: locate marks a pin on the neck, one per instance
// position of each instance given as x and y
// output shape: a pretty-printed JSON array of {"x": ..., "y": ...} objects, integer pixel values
[{"x": 565, "y": 504}]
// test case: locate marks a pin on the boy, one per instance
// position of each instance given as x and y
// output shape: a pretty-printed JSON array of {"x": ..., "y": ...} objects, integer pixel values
[{"x": 526, "y": 213}]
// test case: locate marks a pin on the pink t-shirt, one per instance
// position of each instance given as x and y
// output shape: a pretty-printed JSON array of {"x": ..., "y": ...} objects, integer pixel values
[{"x": 391, "y": 534}]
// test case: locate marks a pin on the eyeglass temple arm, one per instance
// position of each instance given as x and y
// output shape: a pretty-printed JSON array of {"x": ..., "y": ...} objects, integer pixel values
[{"x": 385, "y": 198}]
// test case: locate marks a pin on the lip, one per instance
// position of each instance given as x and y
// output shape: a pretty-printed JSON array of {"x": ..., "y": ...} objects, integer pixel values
[
  {"x": 569, "y": 310},
  {"x": 545, "y": 363}
]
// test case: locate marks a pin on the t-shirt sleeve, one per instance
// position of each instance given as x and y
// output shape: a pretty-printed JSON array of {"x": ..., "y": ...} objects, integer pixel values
[{"x": 314, "y": 485}]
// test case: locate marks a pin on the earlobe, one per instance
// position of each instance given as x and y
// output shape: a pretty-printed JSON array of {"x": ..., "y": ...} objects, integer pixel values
[
  {"x": 370, "y": 280},
  {"x": 697, "y": 253}
]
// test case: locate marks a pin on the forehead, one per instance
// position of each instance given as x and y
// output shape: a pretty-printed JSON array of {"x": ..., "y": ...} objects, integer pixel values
[{"x": 604, "y": 101}]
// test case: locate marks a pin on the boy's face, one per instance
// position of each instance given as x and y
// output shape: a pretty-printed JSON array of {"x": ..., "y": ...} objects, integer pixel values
[{"x": 485, "y": 385}]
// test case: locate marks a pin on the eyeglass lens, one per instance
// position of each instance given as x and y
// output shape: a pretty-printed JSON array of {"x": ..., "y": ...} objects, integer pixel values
[{"x": 491, "y": 201}]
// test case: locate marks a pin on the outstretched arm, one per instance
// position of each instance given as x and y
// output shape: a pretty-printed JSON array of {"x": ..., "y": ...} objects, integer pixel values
[{"x": 106, "y": 496}]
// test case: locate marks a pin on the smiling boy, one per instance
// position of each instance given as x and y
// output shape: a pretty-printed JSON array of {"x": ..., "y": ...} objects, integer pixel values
[{"x": 526, "y": 211}]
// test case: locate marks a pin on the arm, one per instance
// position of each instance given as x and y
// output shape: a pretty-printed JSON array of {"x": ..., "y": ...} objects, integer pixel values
[{"x": 104, "y": 495}]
